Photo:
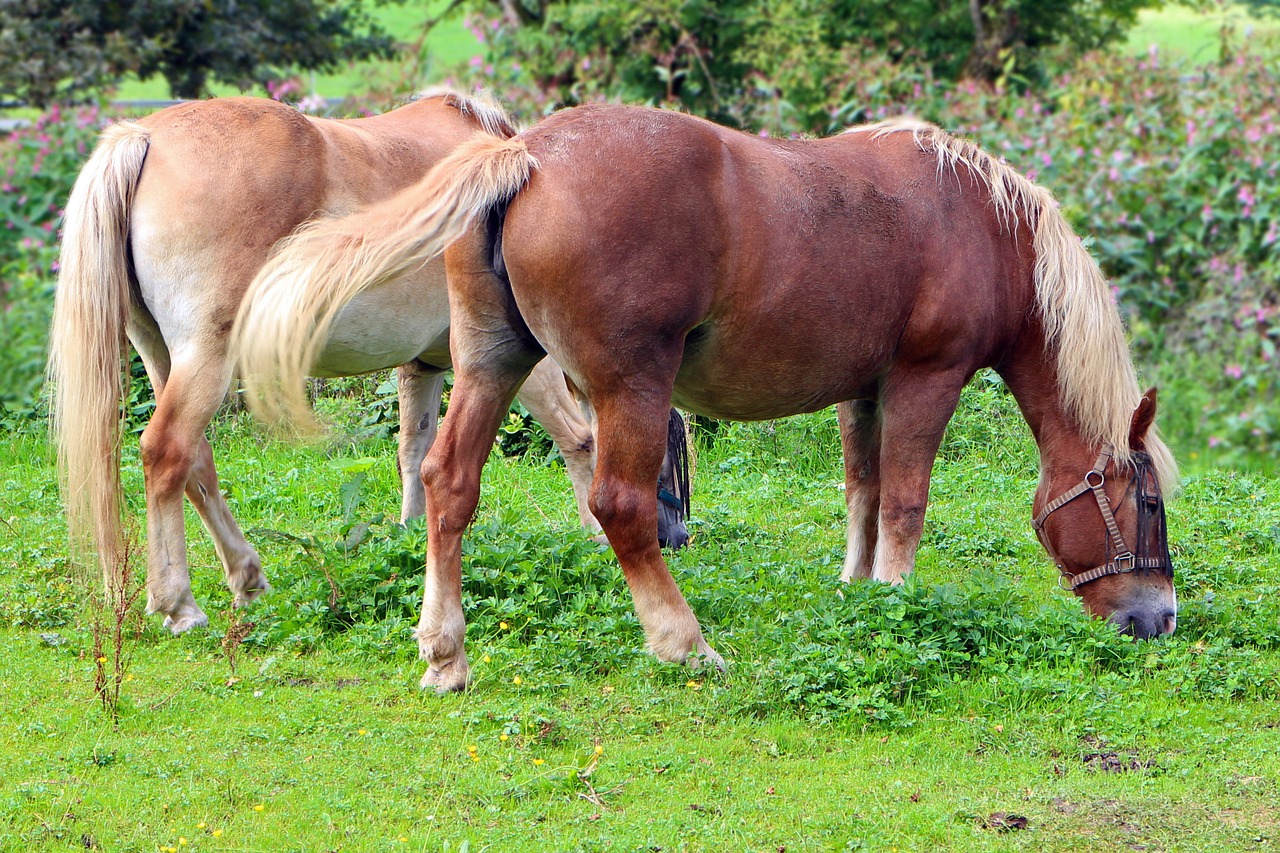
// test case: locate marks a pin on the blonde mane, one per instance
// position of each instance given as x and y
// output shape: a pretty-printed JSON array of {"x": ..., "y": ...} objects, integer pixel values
[{"x": 1082, "y": 327}]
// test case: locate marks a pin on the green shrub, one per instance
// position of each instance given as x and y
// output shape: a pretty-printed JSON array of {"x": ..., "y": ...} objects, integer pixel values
[{"x": 38, "y": 164}]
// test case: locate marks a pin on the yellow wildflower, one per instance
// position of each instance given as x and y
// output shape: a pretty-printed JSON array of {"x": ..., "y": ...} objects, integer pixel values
[
  {"x": 502, "y": 625},
  {"x": 504, "y": 737},
  {"x": 538, "y": 762},
  {"x": 217, "y": 833},
  {"x": 516, "y": 680},
  {"x": 258, "y": 807}
]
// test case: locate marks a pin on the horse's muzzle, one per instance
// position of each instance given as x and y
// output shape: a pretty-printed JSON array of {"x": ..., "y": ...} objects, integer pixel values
[{"x": 1146, "y": 622}]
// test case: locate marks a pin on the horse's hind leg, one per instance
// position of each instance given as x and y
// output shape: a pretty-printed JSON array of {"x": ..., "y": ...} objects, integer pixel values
[
  {"x": 178, "y": 461},
  {"x": 860, "y": 440},
  {"x": 240, "y": 562},
  {"x": 420, "y": 389},
  {"x": 549, "y": 400},
  {"x": 631, "y": 439},
  {"x": 490, "y": 359}
]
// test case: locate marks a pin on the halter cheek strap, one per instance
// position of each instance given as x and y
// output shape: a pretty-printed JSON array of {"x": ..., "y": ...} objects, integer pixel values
[{"x": 1125, "y": 561}]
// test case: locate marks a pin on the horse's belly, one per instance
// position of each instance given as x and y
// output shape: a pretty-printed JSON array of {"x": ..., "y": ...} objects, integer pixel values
[
  {"x": 389, "y": 326},
  {"x": 766, "y": 383}
]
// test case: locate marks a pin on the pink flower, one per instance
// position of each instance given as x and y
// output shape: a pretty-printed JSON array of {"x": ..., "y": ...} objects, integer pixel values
[
  {"x": 1214, "y": 441},
  {"x": 1234, "y": 371}
]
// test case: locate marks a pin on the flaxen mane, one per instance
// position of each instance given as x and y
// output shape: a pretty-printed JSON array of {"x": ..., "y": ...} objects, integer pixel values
[{"x": 1082, "y": 326}]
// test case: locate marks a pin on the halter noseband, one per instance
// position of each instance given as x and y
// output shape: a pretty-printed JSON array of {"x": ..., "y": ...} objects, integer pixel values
[{"x": 1125, "y": 560}]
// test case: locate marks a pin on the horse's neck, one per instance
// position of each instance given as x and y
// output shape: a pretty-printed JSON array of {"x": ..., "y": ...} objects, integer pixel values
[{"x": 1030, "y": 376}]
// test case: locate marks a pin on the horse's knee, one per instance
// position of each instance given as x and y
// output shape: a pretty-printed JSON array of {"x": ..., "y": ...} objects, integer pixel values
[{"x": 451, "y": 498}]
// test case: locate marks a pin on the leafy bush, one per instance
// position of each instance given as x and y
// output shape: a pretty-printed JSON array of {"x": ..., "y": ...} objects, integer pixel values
[{"x": 39, "y": 165}]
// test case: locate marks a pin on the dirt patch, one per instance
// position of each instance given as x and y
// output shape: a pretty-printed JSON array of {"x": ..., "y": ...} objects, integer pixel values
[
  {"x": 1003, "y": 822},
  {"x": 1114, "y": 762}
]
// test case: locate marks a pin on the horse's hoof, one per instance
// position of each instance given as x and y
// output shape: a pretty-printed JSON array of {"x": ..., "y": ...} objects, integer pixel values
[
  {"x": 450, "y": 678},
  {"x": 704, "y": 657},
  {"x": 186, "y": 621},
  {"x": 245, "y": 597}
]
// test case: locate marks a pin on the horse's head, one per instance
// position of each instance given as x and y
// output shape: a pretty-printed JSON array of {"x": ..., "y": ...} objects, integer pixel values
[
  {"x": 674, "y": 487},
  {"x": 1107, "y": 535}
]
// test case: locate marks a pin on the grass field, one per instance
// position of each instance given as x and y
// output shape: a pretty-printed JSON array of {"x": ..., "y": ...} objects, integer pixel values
[
  {"x": 976, "y": 708},
  {"x": 1194, "y": 35}
]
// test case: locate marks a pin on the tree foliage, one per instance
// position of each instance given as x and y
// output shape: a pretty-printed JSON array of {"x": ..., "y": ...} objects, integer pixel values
[
  {"x": 60, "y": 50},
  {"x": 711, "y": 56}
]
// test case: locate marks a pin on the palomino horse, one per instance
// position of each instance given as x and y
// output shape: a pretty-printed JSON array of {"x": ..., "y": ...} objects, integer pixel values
[
  {"x": 657, "y": 256},
  {"x": 167, "y": 224}
]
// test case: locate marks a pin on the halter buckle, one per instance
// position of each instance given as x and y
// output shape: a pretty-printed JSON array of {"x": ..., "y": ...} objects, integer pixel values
[
  {"x": 1102, "y": 480},
  {"x": 1125, "y": 562}
]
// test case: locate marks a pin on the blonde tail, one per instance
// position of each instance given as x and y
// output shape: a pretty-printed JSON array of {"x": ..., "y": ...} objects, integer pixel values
[
  {"x": 289, "y": 309},
  {"x": 87, "y": 340}
]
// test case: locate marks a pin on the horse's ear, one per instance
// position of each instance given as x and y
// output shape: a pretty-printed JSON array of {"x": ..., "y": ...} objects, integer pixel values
[{"x": 1143, "y": 417}]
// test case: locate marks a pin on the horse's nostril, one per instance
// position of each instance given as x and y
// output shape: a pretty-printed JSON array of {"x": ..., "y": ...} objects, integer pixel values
[{"x": 1169, "y": 622}]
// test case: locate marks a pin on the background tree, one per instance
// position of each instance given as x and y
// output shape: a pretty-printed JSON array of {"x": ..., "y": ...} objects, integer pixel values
[
  {"x": 59, "y": 50},
  {"x": 714, "y": 58}
]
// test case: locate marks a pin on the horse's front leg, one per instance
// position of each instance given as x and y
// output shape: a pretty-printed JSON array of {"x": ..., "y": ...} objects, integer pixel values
[
  {"x": 631, "y": 440},
  {"x": 420, "y": 388},
  {"x": 915, "y": 410},
  {"x": 860, "y": 440}
]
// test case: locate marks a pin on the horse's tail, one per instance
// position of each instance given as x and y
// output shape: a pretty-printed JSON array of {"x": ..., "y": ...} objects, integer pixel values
[
  {"x": 87, "y": 340},
  {"x": 289, "y": 309},
  {"x": 1082, "y": 327}
]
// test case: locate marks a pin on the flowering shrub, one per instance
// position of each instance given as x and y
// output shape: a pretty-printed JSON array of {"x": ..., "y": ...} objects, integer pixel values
[
  {"x": 37, "y": 167},
  {"x": 1169, "y": 173}
]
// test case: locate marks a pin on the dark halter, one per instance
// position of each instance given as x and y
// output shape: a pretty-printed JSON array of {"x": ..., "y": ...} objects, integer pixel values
[{"x": 1124, "y": 560}]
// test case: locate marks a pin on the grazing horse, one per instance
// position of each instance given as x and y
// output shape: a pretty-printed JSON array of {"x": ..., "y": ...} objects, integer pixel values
[
  {"x": 165, "y": 228},
  {"x": 659, "y": 257}
]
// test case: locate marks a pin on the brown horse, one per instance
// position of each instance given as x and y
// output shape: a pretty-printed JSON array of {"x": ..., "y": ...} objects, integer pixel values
[
  {"x": 657, "y": 256},
  {"x": 167, "y": 224}
]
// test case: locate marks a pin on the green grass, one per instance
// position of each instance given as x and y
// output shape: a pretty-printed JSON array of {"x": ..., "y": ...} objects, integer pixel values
[
  {"x": 1184, "y": 33},
  {"x": 878, "y": 719}
]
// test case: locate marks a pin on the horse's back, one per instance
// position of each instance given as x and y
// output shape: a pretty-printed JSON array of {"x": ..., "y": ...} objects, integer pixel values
[
  {"x": 768, "y": 256},
  {"x": 226, "y": 179}
]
